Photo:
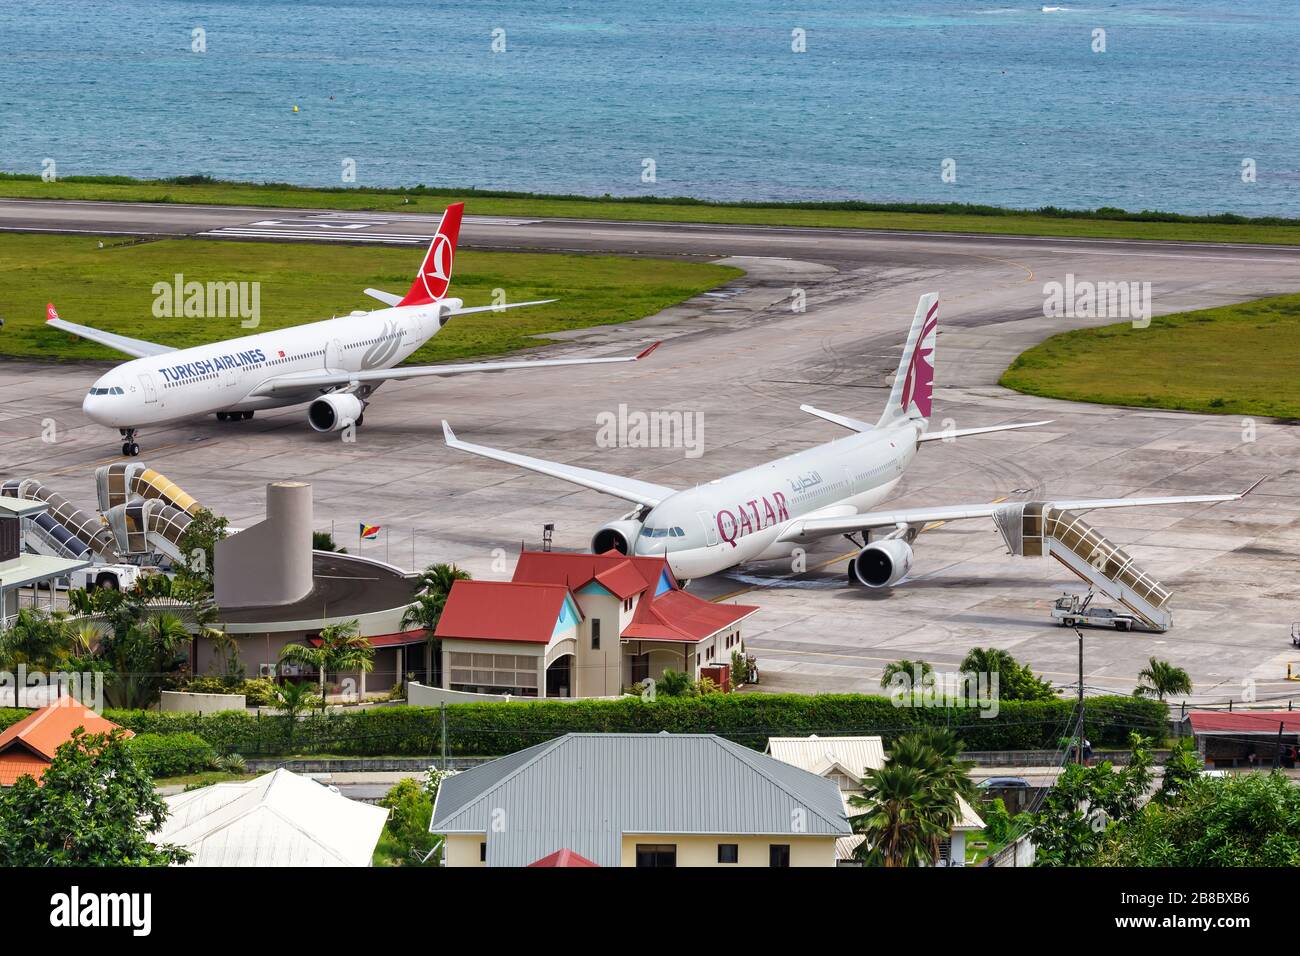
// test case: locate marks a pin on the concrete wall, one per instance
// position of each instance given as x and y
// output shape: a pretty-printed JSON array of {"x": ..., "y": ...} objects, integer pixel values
[
  {"x": 183, "y": 702},
  {"x": 463, "y": 849},
  {"x": 599, "y": 672},
  {"x": 418, "y": 695}
]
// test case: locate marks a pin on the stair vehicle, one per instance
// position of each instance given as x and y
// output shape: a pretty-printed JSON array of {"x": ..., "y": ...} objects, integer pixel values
[{"x": 1071, "y": 610}]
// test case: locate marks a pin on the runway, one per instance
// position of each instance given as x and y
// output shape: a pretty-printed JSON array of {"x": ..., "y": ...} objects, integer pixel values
[{"x": 743, "y": 360}]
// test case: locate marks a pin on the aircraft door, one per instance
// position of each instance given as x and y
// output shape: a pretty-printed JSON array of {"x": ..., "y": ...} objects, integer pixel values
[
  {"x": 334, "y": 354},
  {"x": 150, "y": 389},
  {"x": 710, "y": 529}
]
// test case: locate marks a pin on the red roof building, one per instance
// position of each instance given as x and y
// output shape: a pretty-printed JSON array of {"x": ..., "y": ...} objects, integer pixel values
[
  {"x": 565, "y": 857},
  {"x": 27, "y": 748},
  {"x": 1251, "y": 739},
  {"x": 580, "y": 625}
]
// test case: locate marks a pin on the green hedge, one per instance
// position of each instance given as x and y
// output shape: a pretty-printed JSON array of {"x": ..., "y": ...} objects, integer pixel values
[
  {"x": 172, "y": 754},
  {"x": 488, "y": 729}
]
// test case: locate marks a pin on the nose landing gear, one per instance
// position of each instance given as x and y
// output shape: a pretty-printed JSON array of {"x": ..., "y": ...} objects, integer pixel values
[{"x": 129, "y": 447}]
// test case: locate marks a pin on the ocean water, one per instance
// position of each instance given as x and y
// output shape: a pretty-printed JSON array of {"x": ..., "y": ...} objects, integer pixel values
[{"x": 710, "y": 90}]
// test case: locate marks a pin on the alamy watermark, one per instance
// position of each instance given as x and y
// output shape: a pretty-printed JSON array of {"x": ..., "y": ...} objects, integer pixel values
[
  {"x": 1084, "y": 299},
  {"x": 208, "y": 300},
  {"x": 653, "y": 429},
  {"x": 956, "y": 689}
]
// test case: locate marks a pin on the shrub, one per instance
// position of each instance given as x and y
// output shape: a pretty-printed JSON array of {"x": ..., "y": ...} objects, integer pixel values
[
  {"x": 171, "y": 755},
  {"x": 492, "y": 728}
]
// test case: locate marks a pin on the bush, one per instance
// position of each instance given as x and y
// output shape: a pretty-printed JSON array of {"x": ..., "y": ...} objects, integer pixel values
[
  {"x": 258, "y": 692},
  {"x": 172, "y": 755},
  {"x": 493, "y": 728}
]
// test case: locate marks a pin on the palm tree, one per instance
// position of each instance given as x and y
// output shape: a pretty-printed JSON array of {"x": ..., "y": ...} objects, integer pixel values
[
  {"x": 292, "y": 699},
  {"x": 912, "y": 802},
  {"x": 435, "y": 584},
  {"x": 909, "y": 674},
  {"x": 36, "y": 638},
  {"x": 1160, "y": 678},
  {"x": 900, "y": 823},
  {"x": 341, "y": 648}
]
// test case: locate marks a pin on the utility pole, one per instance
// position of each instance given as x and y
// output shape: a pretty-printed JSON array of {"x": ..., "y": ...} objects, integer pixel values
[
  {"x": 443, "y": 709},
  {"x": 1079, "y": 740}
]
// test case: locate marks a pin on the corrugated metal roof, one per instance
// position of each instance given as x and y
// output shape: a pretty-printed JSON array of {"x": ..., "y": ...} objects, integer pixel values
[
  {"x": 277, "y": 819},
  {"x": 816, "y": 754},
  {"x": 855, "y": 756},
  {"x": 584, "y": 791}
]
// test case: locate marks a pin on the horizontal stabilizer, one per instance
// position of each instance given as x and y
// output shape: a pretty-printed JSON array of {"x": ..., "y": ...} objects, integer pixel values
[
  {"x": 844, "y": 421},
  {"x": 988, "y": 429},
  {"x": 385, "y": 297}
]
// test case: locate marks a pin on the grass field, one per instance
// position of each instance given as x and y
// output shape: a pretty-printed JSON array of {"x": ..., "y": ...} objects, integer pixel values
[
  {"x": 926, "y": 217},
  {"x": 112, "y": 289},
  {"x": 1236, "y": 360}
]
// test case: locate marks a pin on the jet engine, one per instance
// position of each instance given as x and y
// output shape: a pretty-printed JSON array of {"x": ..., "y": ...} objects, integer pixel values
[
  {"x": 335, "y": 411},
  {"x": 881, "y": 564},
  {"x": 617, "y": 535}
]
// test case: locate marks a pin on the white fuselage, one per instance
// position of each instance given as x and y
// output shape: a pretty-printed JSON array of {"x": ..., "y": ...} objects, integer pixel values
[
  {"x": 741, "y": 517},
  {"x": 224, "y": 376}
]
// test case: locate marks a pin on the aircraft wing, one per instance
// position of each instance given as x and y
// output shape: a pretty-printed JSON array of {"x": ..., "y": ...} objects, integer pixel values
[
  {"x": 629, "y": 489},
  {"x": 327, "y": 378},
  {"x": 811, "y": 528},
  {"x": 136, "y": 348}
]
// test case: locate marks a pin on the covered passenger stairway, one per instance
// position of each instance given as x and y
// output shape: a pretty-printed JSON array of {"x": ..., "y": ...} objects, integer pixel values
[
  {"x": 146, "y": 512},
  {"x": 1039, "y": 529},
  {"x": 63, "y": 530}
]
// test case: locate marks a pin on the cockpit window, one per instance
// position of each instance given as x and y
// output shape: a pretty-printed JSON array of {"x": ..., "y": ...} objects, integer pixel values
[
  {"x": 115, "y": 390},
  {"x": 663, "y": 533}
]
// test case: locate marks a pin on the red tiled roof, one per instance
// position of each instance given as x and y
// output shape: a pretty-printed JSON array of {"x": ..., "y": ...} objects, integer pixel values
[
  {"x": 623, "y": 575},
  {"x": 1245, "y": 722},
  {"x": 502, "y": 611},
  {"x": 565, "y": 857},
  {"x": 32, "y": 742},
  {"x": 387, "y": 640},
  {"x": 678, "y": 616}
]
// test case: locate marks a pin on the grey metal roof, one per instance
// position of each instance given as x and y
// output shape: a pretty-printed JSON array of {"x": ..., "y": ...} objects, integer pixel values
[{"x": 584, "y": 791}]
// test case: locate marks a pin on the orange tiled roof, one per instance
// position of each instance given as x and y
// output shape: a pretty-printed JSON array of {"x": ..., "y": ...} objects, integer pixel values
[{"x": 31, "y": 743}]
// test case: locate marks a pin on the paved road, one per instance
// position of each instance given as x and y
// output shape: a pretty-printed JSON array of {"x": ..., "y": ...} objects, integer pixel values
[{"x": 744, "y": 361}]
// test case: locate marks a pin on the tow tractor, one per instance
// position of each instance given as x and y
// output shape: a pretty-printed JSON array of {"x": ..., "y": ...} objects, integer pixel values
[{"x": 1071, "y": 609}]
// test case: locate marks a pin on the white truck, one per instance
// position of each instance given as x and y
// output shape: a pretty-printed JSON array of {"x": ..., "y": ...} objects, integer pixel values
[{"x": 1071, "y": 610}]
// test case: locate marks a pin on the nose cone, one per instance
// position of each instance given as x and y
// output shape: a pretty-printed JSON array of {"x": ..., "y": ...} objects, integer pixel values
[{"x": 93, "y": 407}]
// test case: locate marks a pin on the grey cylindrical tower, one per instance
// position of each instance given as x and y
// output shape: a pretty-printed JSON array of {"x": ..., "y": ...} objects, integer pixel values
[{"x": 269, "y": 563}]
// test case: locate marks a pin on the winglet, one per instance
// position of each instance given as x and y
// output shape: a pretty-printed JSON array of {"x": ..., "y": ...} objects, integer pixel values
[
  {"x": 645, "y": 352},
  {"x": 448, "y": 435},
  {"x": 1257, "y": 483},
  {"x": 51, "y": 314}
]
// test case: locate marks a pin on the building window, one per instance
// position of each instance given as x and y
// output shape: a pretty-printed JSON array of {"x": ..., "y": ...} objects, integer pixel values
[
  {"x": 656, "y": 854},
  {"x": 595, "y": 633},
  {"x": 778, "y": 854},
  {"x": 728, "y": 853},
  {"x": 482, "y": 852}
]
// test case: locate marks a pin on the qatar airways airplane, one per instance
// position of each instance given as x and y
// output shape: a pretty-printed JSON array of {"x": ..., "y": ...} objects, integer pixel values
[
  {"x": 766, "y": 512},
  {"x": 332, "y": 366}
]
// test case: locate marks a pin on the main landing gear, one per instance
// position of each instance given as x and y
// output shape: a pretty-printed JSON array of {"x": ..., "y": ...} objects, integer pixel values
[
  {"x": 234, "y": 416},
  {"x": 129, "y": 447}
]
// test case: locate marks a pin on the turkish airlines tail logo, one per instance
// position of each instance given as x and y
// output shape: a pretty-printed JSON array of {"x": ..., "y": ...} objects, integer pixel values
[
  {"x": 435, "y": 271},
  {"x": 919, "y": 385}
]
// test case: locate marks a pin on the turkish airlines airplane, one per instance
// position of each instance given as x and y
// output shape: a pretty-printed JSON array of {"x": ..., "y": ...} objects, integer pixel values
[
  {"x": 333, "y": 366},
  {"x": 766, "y": 512}
]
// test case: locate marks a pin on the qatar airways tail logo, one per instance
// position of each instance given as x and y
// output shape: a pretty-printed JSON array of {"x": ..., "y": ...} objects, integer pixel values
[
  {"x": 738, "y": 523},
  {"x": 920, "y": 371}
]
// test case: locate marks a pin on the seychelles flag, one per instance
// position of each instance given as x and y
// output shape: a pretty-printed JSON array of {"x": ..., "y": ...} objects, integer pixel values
[{"x": 369, "y": 532}]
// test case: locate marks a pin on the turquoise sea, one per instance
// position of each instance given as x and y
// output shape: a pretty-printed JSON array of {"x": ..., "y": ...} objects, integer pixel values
[{"x": 712, "y": 92}]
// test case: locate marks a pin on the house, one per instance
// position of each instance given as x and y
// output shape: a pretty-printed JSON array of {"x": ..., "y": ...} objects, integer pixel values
[
  {"x": 639, "y": 800},
  {"x": 277, "y": 819},
  {"x": 19, "y": 568},
  {"x": 1247, "y": 738},
  {"x": 845, "y": 760},
  {"x": 28, "y": 747},
  {"x": 581, "y": 625}
]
